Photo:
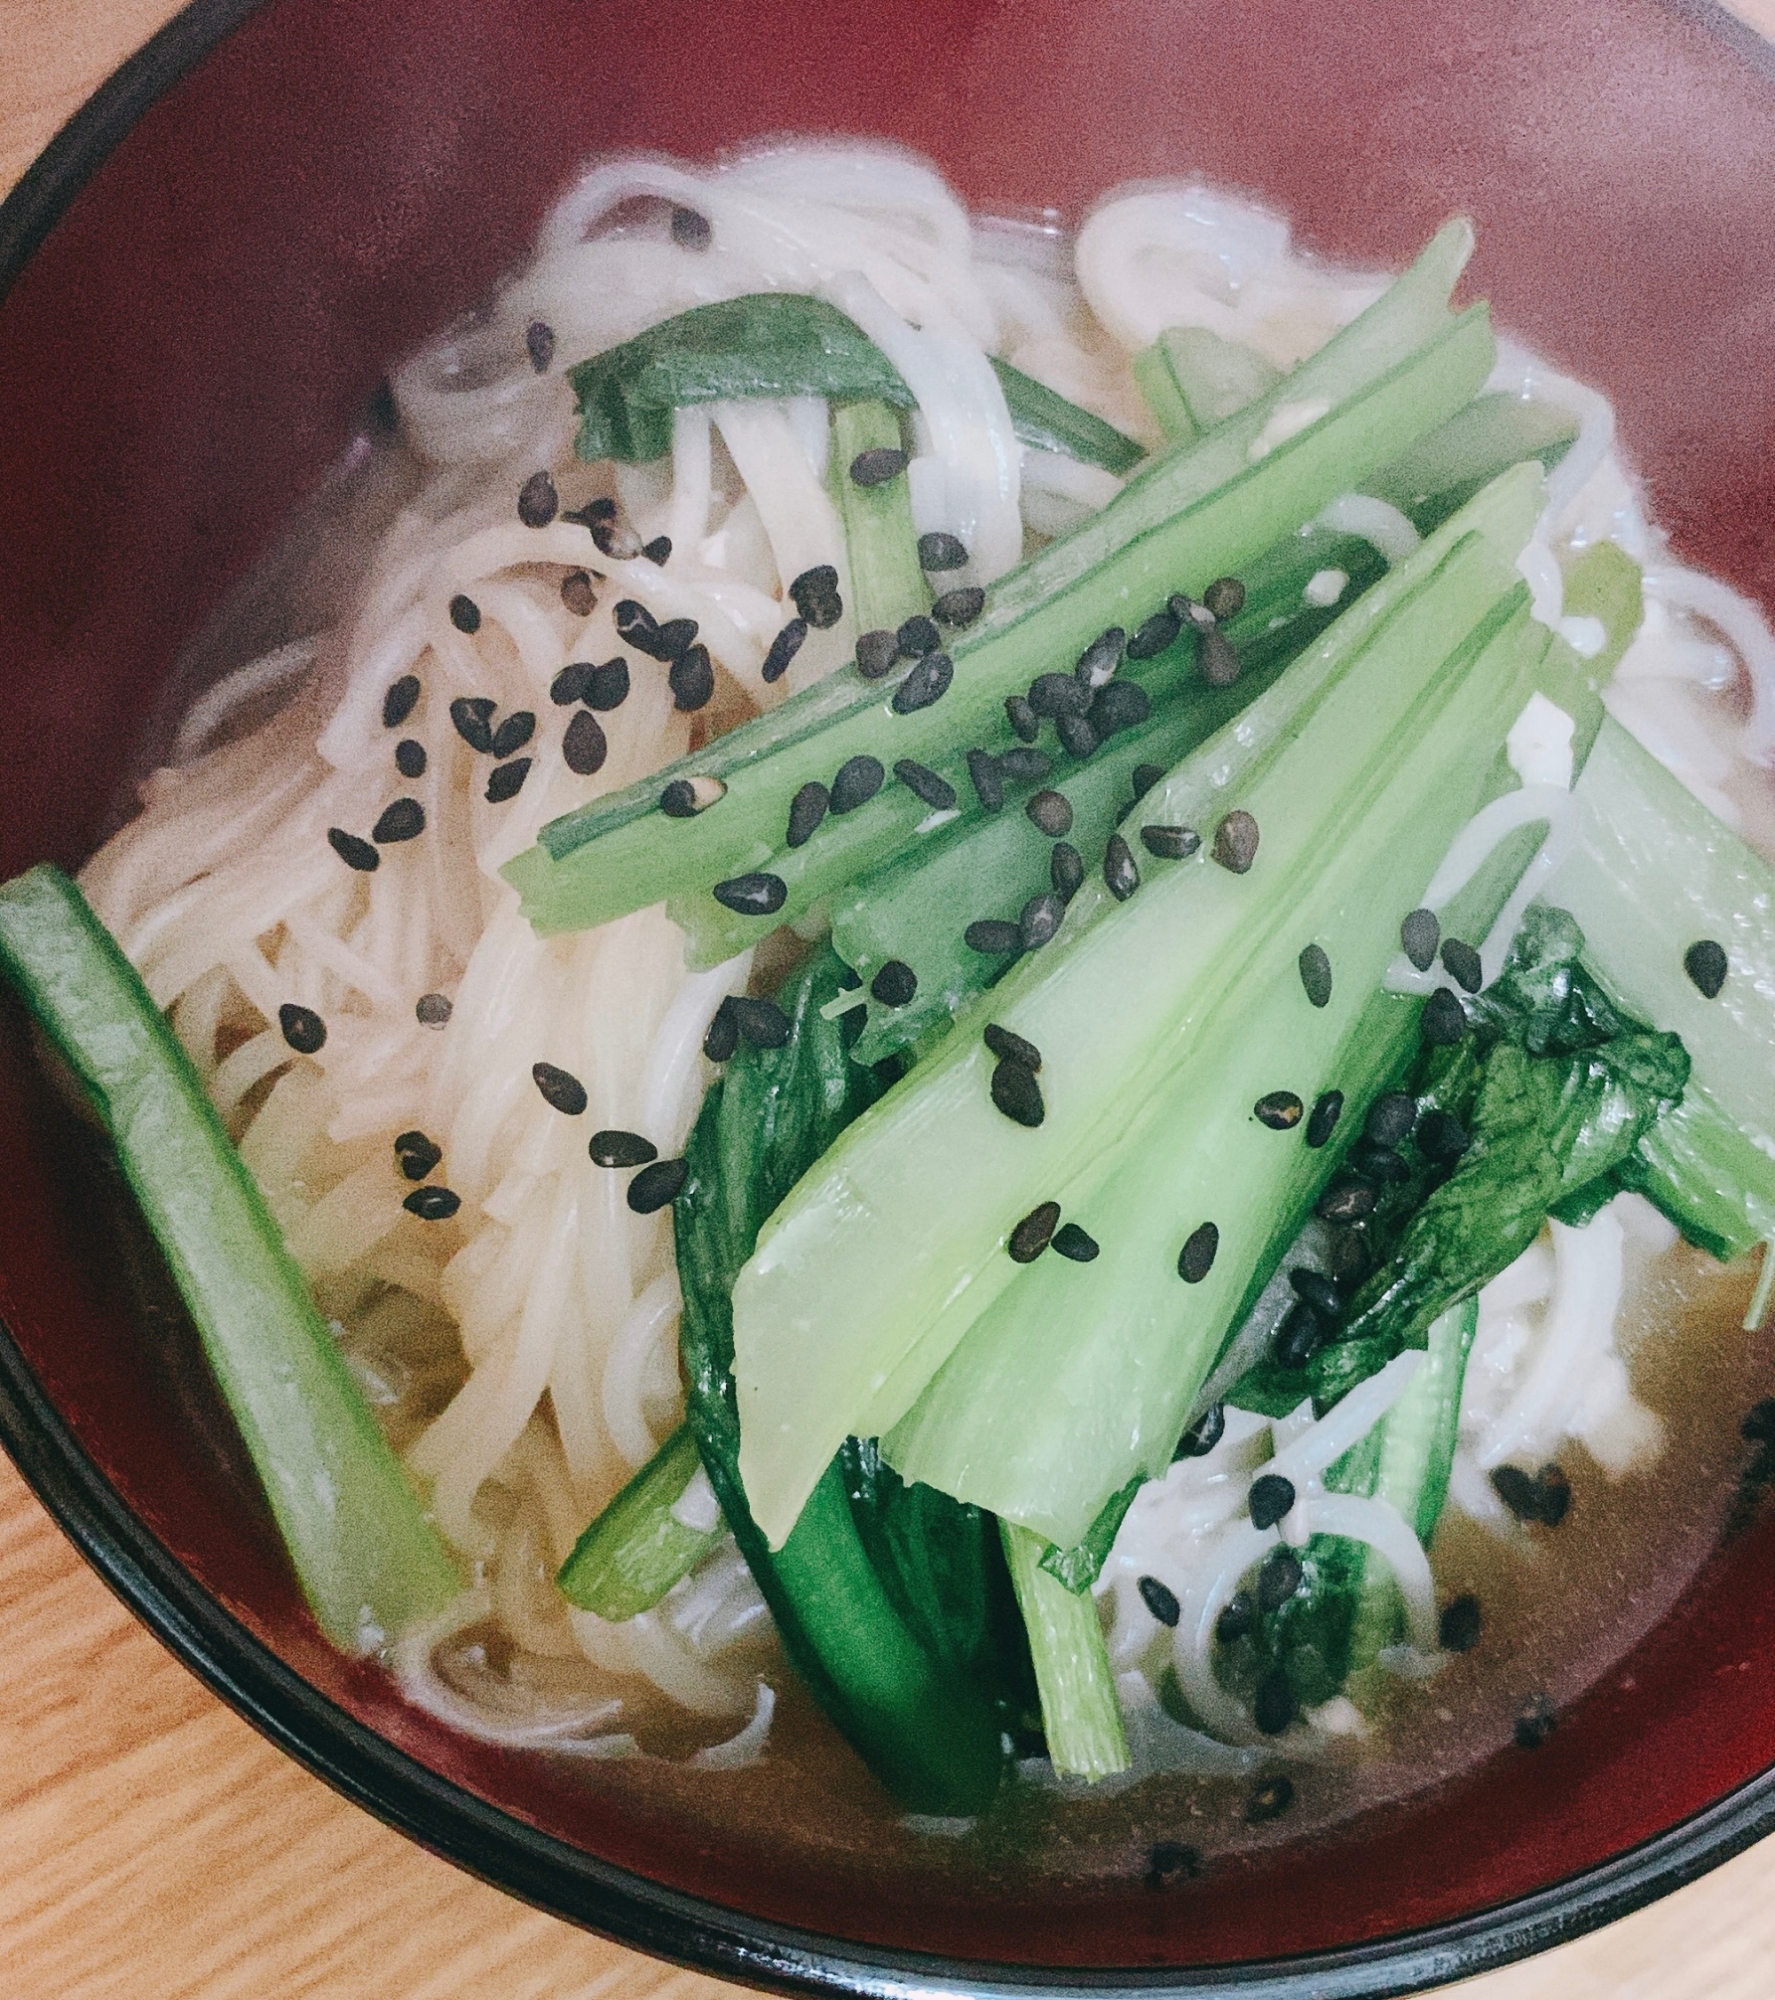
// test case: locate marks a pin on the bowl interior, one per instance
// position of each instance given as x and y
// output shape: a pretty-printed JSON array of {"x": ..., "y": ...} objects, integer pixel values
[{"x": 198, "y": 338}]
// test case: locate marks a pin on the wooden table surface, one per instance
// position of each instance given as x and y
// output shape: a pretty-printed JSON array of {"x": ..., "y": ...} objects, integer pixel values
[{"x": 152, "y": 1845}]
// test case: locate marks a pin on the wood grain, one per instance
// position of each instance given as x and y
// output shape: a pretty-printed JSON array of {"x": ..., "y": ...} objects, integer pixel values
[{"x": 151, "y": 1844}]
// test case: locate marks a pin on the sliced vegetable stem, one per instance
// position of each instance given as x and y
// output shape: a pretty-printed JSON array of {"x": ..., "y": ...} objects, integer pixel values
[
  {"x": 1081, "y": 1717},
  {"x": 887, "y": 585},
  {"x": 637, "y": 1548}
]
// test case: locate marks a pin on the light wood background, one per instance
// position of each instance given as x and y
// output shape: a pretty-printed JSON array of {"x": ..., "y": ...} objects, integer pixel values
[{"x": 153, "y": 1846}]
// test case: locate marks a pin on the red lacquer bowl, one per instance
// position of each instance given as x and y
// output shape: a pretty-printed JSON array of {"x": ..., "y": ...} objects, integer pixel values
[{"x": 208, "y": 272}]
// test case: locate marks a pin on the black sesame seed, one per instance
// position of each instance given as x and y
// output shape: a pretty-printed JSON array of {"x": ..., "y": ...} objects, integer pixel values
[
  {"x": 538, "y": 502},
  {"x": 355, "y": 853},
  {"x": 723, "y": 1034},
  {"x": 1299, "y": 1337},
  {"x": 1077, "y": 737},
  {"x": 989, "y": 785},
  {"x": 1119, "y": 705},
  {"x": 1159, "y": 1600},
  {"x": 539, "y": 341},
  {"x": 806, "y": 810},
  {"x": 1280, "y": 1110},
  {"x": 1170, "y": 843},
  {"x": 433, "y": 1204},
  {"x": 1444, "y": 1020},
  {"x": 1349, "y": 1256},
  {"x": 1224, "y": 597},
  {"x": 1235, "y": 842},
  {"x": 1022, "y": 766},
  {"x": 1705, "y": 963},
  {"x": 674, "y": 638},
  {"x": 1159, "y": 631},
  {"x": 1346, "y": 1200},
  {"x": 691, "y": 678},
  {"x": 1272, "y": 1497},
  {"x": 690, "y": 229},
  {"x": 815, "y": 595},
  {"x": 1318, "y": 1291},
  {"x": 1237, "y": 1620},
  {"x": 616, "y": 1148},
  {"x": 1458, "y": 1629},
  {"x": 1518, "y": 1491},
  {"x": 513, "y": 733},
  {"x": 569, "y": 685},
  {"x": 1535, "y": 1721},
  {"x": 918, "y": 636},
  {"x": 1016, "y": 1093},
  {"x": 1322, "y": 1120},
  {"x": 761, "y": 1022},
  {"x": 1012, "y": 1046},
  {"x": 1378, "y": 1163},
  {"x": 679, "y": 800},
  {"x": 1025, "y": 723},
  {"x": 1188, "y": 611},
  {"x": 417, "y": 1154},
  {"x": 1278, "y": 1580},
  {"x": 303, "y": 1028},
  {"x": 1315, "y": 974},
  {"x": 1050, "y": 813},
  {"x": 606, "y": 686},
  {"x": 1167, "y": 1860},
  {"x": 924, "y": 784},
  {"x": 472, "y": 716},
  {"x": 877, "y": 466},
  {"x": 577, "y": 593},
  {"x": 1270, "y": 1799},
  {"x": 400, "y": 701},
  {"x": 857, "y": 781},
  {"x": 1420, "y": 934},
  {"x": 876, "y": 652},
  {"x": 1556, "y": 1494},
  {"x": 1121, "y": 875},
  {"x": 561, "y": 1090},
  {"x": 938, "y": 552},
  {"x": 656, "y": 1185},
  {"x": 755, "y": 895},
  {"x": 992, "y": 936},
  {"x": 1442, "y": 1137},
  {"x": 1196, "y": 1259},
  {"x": 1203, "y": 1435},
  {"x": 1040, "y": 920},
  {"x": 1462, "y": 964},
  {"x": 465, "y": 614},
  {"x": 432, "y": 1010},
  {"x": 927, "y": 682},
  {"x": 1071, "y": 1241},
  {"x": 659, "y": 550},
  {"x": 584, "y": 746},
  {"x": 895, "y": 984},
  {"x": 400, "y": 819},
  {"x": 1272, "y": 1706},
  {"x": 1099, "y": 661},
  {"x": 1390, "y": 1118},
  {"x": 1066, "y": 870},
  {"x": 409, "y": 757},
  {"x": 1058, "y": 694},
  {"x": 1034, "y": 1233},
  {"x": 783, "y": 649},
  {"x": 505, "y": 781},
  {"x": 1216, "y": 660},
  {"x": 960, "y": 607},
  {"x": 636, "y": 626},
  {"x": 1144, "y": 778},
  {"x": 610, "y": 537}
]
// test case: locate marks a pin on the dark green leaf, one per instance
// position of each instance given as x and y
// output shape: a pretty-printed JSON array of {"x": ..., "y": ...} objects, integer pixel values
[
  {"x": 1042, "y": 417},
  {"x": 1078, "y": 1567},
  {"x": 767, "y": 344}
]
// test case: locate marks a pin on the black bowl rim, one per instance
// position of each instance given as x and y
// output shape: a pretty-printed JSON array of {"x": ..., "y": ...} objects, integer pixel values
[{"x": 549, "y": 1873}]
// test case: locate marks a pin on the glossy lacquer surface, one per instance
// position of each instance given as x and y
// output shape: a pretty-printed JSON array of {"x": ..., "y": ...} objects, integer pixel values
[{"x": 190, "y": 348}]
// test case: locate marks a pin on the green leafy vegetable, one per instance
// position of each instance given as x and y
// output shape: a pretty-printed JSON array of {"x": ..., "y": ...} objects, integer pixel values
[
  {"x": 368, "y": 1558},
  {"x": 765, "y": 344},
  {"x": 1081, "y": 1717},
  {"x": 1042, "y": 417},
  {"x": 637, "y": 1548},
  {"x": 887, "y": 585},
  {"x": 866, "y": 1590}
]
